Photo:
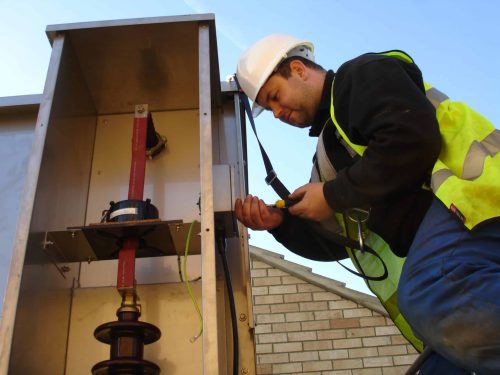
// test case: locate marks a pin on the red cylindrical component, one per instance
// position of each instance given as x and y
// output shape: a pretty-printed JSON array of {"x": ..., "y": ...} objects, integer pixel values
[
  {"x": 126, "y": 264},
  {"x": 138, "y": 166}
]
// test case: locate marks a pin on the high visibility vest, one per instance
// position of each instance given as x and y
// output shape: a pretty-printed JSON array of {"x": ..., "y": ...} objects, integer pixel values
[
  {"x": 365, "y": 263},
  {"x": 465, "y": 178}
]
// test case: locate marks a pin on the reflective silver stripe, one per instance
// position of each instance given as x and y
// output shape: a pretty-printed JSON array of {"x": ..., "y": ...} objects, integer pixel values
[
  {"x": 492, "y": 142},
  {"x": 474, "y": 160},
  {"x": 352, "y": 152},
  {"x": 478, "y": 151},
  {"x": 435, "y": 96},
  {"x": 326, "y": 169},
  {"x": 439, "y": 177}
]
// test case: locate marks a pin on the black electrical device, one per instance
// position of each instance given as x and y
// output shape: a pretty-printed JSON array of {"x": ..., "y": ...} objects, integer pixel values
[{"x": 130, "y": 210}]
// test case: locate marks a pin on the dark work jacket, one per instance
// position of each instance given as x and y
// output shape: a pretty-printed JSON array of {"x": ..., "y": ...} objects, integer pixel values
[{"x": 380, "y": 103}]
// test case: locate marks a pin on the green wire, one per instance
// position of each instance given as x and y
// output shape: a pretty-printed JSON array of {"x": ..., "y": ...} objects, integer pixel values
[{"x": 186, "y": 252}]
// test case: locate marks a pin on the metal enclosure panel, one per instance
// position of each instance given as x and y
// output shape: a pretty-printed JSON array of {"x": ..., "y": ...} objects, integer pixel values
[
  {"x": 55, "y": 193},
  {"x": 94, "y": 80},
  {"x": 22, "y": 230},
  {"x": 16, "y": 134},
  {"x": 223, "y": 194},
  {"x": 212, "y": 363},
  {"x": 230, "y": 139},
  {"x": 139, "y": 61},
  {"x": 20, "y": 105},
  {"x": 42, "y": 320},
  {"x": 63, "y": 181},
  {"x": 53, "y": 30}
]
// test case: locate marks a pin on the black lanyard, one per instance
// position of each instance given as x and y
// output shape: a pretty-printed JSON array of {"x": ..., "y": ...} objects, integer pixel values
[{"x": 271, "y": 178}]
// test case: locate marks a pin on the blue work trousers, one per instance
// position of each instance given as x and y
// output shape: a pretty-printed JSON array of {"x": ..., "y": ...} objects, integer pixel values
[{"x": 449, "y": 292}]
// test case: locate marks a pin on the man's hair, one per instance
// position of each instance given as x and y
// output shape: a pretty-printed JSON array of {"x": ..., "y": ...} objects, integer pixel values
[{"x": 284, "y": 68}]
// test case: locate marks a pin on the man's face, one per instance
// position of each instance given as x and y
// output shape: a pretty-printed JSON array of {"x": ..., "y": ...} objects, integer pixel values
[{"x": 290, "y": 99}]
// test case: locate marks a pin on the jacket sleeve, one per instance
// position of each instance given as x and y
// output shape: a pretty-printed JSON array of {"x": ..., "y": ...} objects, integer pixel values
[
  {"x": 380, "y": 102},
  {"x": 307, "y": 239}
]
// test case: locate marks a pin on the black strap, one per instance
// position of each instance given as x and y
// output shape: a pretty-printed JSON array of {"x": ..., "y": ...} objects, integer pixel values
[{"x": 271, "y": 178}]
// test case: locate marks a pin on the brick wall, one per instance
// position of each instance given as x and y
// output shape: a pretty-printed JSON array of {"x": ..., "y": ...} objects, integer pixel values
[{"x": 302, "y": 328}]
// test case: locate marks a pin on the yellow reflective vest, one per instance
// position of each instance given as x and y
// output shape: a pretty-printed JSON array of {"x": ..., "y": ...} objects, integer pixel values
[{"x": 466, "y": 178}]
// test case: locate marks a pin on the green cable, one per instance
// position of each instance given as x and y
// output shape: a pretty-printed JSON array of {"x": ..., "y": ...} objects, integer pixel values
[{"x": 186, "y": 252}]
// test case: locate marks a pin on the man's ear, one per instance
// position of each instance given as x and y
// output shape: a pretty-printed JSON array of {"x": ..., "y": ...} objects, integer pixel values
[{"x": 298, "y": 67}]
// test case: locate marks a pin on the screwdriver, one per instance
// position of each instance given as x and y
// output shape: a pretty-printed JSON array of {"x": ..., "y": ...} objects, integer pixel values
[{"x": 283, "y": 203}]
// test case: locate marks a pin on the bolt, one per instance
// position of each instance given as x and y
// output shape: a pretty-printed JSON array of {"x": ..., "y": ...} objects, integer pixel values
[
  {"x": 244, "y": 371},
  {"x": 47, "y": 244},
  {"x": 243, "y": 317},
  {"x": 73, "y": 234}
]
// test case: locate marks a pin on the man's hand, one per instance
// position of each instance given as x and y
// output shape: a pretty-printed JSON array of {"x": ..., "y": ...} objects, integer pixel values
[
  {"x": 254, "y": 214},
  {"x": 312, "y": 204}
]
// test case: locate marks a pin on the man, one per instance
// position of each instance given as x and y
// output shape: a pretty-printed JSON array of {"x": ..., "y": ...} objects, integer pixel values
[{"x": 421, "y": 172}]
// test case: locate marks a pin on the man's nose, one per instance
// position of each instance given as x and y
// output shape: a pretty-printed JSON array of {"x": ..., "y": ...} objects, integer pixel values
[{"x": 276, "y": 110}]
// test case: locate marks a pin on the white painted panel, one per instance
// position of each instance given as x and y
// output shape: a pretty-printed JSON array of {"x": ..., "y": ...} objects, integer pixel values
[
  {"x": 157, "y": 270},
  {"x": 172, "y": 178}
]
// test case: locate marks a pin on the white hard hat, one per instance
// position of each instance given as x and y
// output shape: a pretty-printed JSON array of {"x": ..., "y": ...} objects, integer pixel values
[{"x": 259, "y": 61}]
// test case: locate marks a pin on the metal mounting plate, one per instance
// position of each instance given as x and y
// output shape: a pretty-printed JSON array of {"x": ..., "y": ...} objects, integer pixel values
[{"x": 103, "y": 240}]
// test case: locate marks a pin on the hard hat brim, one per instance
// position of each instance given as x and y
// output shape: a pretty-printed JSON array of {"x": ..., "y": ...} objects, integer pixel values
[{"x": 257, "y": 109}]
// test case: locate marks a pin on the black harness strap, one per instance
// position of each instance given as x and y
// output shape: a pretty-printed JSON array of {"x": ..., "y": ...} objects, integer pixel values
[{"x": 271, "y": 178}]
